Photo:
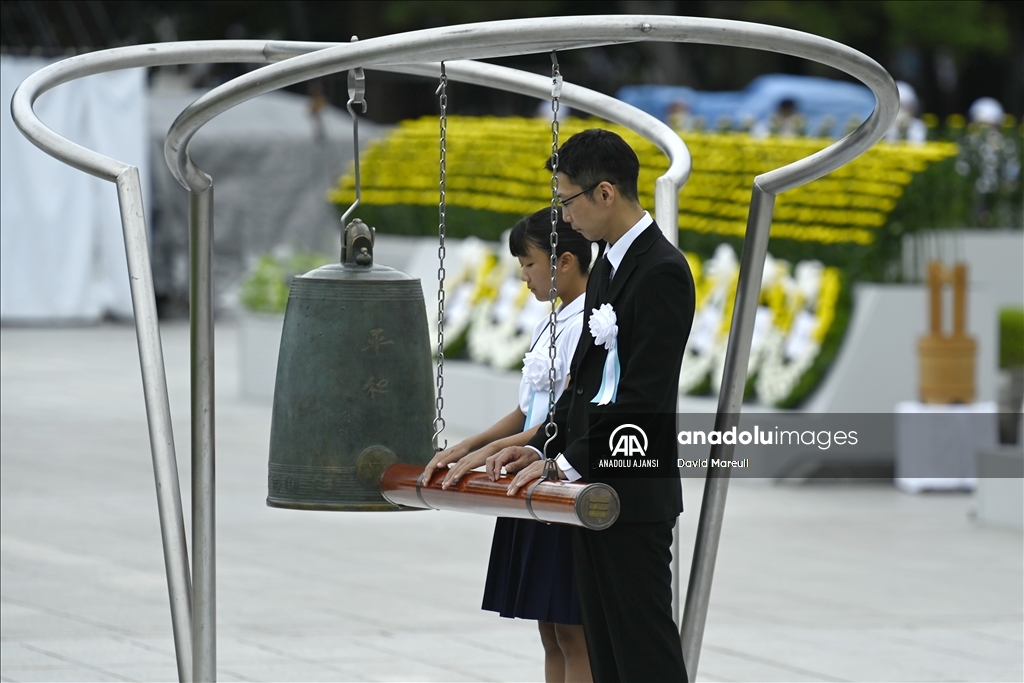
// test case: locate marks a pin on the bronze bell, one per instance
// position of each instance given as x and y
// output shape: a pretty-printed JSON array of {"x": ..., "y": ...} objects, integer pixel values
[{"x": 354, "y": 392}]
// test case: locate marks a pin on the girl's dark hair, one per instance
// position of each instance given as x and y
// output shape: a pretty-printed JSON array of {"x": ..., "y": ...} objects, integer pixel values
[{"x": 535, "y": 230}]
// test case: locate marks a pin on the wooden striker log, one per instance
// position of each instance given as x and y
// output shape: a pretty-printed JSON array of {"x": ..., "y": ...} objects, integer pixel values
[{"x": 593, "y": 505}]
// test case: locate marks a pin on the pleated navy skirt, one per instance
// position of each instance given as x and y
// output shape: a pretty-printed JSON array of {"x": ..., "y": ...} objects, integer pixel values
[{"x": 530, "y": 574}]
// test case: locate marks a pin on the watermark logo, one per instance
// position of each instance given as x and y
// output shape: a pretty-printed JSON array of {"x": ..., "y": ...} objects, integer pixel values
[
  {"x": 639, "y": 446},
  {"x": 628, "y": 440}
]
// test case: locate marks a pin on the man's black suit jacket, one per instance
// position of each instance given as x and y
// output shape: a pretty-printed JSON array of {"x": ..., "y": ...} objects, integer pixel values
[{"x": 652, "y": 293}]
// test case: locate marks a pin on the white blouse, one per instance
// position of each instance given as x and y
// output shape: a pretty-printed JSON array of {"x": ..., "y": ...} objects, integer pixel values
[{"x": 534, "y": 387}]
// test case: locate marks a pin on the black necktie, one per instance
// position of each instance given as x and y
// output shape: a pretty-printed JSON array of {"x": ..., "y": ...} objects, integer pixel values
[{"x": 603, "y": 273}]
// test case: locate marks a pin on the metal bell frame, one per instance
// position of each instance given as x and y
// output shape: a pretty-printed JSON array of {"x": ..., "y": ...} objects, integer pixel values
[{"x": 192, "y": 595}]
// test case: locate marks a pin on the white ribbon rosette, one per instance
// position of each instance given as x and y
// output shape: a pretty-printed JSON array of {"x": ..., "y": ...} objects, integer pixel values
[
  {"x": 605, "y": 331},
  {"x": 536, "y": 366}
]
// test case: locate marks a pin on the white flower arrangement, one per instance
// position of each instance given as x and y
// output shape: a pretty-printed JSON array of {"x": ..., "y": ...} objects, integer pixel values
[
  {"x": 796, "y": 310},
  {"x": 775, "y": 274},
  {"x": 759, "y": 344},
  {"x": 488, "y": 303},
  {"x": 779, "y": 375},
  {"x": 502, "y": 327},
  {"x": 716, "y": 282},
  {"x": 465, "y": 287},
  {"x": 792, "y": 353}
]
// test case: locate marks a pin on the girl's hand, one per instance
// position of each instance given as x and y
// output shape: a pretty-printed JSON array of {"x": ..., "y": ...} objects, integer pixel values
[
  {"x": 470, "y": 462},
  {"x": 442, "y": 459}
]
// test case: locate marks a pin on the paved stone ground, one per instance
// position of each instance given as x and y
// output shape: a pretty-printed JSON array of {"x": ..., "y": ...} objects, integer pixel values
[{"x": 821, "y": 582}]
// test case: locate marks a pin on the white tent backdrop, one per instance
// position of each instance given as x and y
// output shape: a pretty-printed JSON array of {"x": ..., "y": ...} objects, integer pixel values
[{"x": 61, "y": 250}]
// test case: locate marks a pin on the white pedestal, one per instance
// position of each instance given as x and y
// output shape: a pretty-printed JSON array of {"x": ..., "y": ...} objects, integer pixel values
[{"x": 936, "y": 444}]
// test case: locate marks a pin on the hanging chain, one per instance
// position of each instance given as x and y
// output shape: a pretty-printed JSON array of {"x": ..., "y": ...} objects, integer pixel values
[
  {"x": 551, "y": 429},
  {"x": 442, "y": 97}
]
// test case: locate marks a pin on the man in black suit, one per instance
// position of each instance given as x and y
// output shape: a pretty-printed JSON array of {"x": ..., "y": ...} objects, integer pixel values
[{"x": 623, "y": 572}]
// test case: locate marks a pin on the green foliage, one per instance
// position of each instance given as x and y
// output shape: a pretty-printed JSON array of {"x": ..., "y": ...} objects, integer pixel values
[
  {"x": 266, "y": 288},
  {"x": 457, "y": 348},
  {"x": 704, "y": 388},
  {"x": 1011, "y": 337},
  {"x": 964, "y": 26},
  {"x": 938, "y": 197}
]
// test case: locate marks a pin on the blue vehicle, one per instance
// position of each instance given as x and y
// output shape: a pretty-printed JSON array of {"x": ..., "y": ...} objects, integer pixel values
[{"x": 812, "y": 97}]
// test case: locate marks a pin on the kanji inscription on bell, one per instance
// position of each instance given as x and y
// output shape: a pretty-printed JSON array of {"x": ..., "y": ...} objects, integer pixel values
[{"x": 377, "y": 340}]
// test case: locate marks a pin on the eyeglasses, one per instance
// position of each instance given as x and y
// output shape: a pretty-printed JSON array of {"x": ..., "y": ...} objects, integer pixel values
[{"x": 565, "y": 202}]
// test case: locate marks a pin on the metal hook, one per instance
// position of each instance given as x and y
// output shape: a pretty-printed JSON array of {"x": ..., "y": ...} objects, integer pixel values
[
  {"x": 437, "y": 434},
  {"x": 356, "y": 86},
  {"x": 444, "y": 80},
  {"x": 356, "y": 95},
  {"x": 550, "y": 431},
  {"x": 556, "y": 80}
]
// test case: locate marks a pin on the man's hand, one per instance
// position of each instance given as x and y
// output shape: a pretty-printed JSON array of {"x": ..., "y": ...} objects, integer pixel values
[
  {"x": 534, "y": 470},
  {"x": 513, "y": 459}
]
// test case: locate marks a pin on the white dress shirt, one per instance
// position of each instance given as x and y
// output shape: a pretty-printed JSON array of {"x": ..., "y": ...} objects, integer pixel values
[{"x": 616, "y": 252}]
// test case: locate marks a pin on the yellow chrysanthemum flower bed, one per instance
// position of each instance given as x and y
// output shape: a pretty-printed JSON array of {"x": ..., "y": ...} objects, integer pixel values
[{"x": 496, "y": 164}]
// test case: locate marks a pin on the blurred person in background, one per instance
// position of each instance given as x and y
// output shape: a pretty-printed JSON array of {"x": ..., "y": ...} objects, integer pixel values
[
  {"x": 679, "y": 117},
  {"x": 907, "y": 127},
  {"x": 992, "y": 161},
  {"x": 786, "y": 122}
]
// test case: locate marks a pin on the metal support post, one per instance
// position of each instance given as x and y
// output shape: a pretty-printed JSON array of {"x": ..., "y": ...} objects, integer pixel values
[
  {"x": 204, "y": 568},
  {"x": 730, "y": 399},
  {"x": 666, "y": 198},
  {"x": 158, "y": 414}
]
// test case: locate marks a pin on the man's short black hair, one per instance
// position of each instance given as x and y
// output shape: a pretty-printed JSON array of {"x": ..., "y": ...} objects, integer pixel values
[{"x": 595, "y": 155}]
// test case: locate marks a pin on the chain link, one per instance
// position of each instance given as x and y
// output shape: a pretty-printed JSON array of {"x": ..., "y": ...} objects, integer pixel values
[
  {"x": 551, "y": 429},
  {"x": 442, "y": 97}
]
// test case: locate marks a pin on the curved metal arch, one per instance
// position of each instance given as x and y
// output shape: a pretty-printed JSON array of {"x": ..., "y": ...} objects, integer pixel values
[
  {"x": 114, "y": 59},
  {"x": 524, "y": 36},
  {"x": 459, "y": 42}
]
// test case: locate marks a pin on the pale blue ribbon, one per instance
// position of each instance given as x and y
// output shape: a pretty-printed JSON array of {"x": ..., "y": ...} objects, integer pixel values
[
  {"x": 610, "y": 377},
  {"x": 538, "y": 410}
]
